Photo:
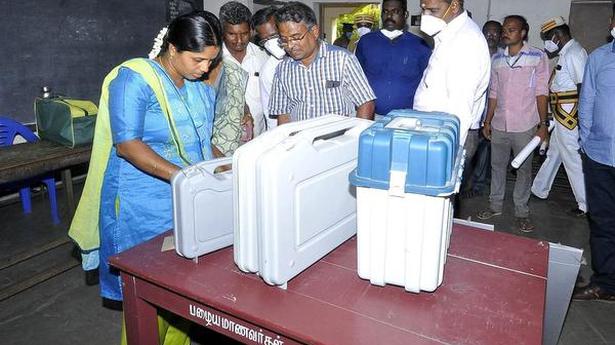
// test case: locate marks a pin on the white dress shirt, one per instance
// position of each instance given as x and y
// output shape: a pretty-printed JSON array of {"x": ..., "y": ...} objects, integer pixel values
[
  {"x": 252, "y": 63},
  {"x": 457, "y": 76},
  {"x": 572, "y": 60},
  {"x": 266, "y": 82}
]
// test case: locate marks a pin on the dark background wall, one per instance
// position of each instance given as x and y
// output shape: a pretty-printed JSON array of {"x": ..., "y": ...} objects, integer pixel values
[{"x": 69, "y": 45}]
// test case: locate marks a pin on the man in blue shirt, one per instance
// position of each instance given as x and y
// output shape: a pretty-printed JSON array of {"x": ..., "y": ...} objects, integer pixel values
[
  {"x": 597, "y": 140},
  {"x": 393, "y": 59}
]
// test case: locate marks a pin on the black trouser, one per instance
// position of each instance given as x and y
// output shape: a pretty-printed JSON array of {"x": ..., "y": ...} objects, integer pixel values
[
  {"x": 600, "y": 188},
  {"x": 481, "y": 177}
]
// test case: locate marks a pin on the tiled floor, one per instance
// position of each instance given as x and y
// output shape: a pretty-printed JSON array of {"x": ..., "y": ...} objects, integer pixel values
[{"x": 62, "y": 310}]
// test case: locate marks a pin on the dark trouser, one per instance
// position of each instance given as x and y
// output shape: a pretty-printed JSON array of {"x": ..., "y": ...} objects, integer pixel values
[
  {"x": 470, "y": 146},
  {"x": 477, "y": 167},
  {"x": 600, "y": 188},
  {"x": 482, "y": 165}
]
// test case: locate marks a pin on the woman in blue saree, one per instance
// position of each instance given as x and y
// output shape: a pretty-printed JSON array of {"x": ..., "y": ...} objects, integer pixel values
[
  {"x": 155, "y": 117},
  {"x": 151, "y": 143}
]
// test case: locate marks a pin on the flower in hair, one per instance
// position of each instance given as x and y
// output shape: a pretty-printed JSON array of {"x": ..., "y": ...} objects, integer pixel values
[{"x": 158, "y": 43}]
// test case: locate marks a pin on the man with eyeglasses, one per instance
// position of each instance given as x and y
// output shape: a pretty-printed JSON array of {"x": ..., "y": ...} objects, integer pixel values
[
  {"x": 456, "y": 78},
  {"x": 235, "y": 18},
  {"x": 319, "y": 78},
  {"x": 393, "y": 59},
  {"x": 517, "y": 111},
  {"x": 263, "y": 23}
]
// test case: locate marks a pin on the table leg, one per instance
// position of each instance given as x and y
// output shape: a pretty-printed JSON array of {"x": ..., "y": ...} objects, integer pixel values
[
  {"x": 67, "y": 181},
  {"x": 140, "y": 317}
]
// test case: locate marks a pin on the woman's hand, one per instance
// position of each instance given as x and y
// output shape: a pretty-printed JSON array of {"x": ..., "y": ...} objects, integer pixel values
[
  {"x": 247, "y": 127},
  {"x": 143, "y": 157}
]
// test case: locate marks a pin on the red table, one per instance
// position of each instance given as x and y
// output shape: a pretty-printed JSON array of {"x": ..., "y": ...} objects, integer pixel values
[{"x": 493, "y": 293}]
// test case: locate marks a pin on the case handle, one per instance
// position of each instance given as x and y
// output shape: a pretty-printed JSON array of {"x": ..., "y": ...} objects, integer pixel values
[
  {"x": 333, "y": 130},
  {"x": 404, "y": 123}
]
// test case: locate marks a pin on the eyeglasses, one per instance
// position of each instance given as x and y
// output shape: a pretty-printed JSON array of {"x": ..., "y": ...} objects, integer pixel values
[
  {"x": 262, "y": 42},
  {"x": 284, "y": 42}
]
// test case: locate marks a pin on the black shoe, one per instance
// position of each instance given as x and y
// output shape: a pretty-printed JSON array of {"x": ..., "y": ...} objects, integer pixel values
[
  {"x": 592, "y": 292},
  {"x": 577, "y": 212},
  {"x": 112, "y": 304},
  {"x": 91, "y": 277}
]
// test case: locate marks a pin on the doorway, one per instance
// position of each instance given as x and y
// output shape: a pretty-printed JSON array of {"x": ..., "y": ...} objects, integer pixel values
[
  {"x": 331, "y": 15},
  {"x": 589, "y": 22}
]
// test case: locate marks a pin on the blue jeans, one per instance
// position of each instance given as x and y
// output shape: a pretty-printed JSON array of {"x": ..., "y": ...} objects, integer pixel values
[{"x": 600, "y": 188}]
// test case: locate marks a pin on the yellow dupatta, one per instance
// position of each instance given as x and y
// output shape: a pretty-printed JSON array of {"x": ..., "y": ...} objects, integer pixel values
[{"x": 84, "y": 227}]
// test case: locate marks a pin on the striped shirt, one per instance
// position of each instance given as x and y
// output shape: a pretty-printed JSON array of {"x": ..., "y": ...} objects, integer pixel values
[
  {"x": 333, "y": 83},
  {"x": 516, "y": 81}
]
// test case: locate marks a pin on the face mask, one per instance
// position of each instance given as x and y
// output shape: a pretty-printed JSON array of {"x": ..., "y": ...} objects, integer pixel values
[
  {"x": 392, "y": 34},
  {"x": 363, "y": 30},
  {"x": 432, "y": 25},
  {"x": 613, "y": 32},
  {"x": 274, "y": 48},
  {"x": 550, "y": 46},
  {"x": 348, "y": 34}
]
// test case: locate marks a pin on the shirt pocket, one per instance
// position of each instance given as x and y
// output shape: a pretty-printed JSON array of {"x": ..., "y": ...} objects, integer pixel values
[{"x": 605, "y": 78}]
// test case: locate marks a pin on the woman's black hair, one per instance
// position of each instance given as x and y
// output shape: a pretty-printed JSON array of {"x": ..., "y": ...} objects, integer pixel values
[{"x": 193, "y": 32}]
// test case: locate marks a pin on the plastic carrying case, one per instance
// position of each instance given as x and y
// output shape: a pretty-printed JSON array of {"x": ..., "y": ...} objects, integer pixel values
[
  {"x": 299, "y": 204},
  {"x": 202, "y": 208},
  {"x": 409, "y": 166}
]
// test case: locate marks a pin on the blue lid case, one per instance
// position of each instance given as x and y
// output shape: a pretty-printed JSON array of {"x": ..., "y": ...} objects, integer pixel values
[{"x": 421, "y": 146}]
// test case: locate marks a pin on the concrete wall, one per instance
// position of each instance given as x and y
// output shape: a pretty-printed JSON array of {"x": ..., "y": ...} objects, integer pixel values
[
  {"x": 536, "y": 11},
  {"x": 213, "y": 6},
  {"x": 483, "y": 10}
]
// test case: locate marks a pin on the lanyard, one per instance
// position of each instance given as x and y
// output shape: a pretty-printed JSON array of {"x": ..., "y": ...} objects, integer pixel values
[{"x": 513, "y": 65}]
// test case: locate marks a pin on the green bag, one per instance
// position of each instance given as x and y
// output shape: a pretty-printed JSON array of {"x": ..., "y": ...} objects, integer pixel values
[{"x": 66, "y": 121}]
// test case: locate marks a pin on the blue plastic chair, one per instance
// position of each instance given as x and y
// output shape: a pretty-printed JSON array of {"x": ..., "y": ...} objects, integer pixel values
[{"x": 9, "y": 129}]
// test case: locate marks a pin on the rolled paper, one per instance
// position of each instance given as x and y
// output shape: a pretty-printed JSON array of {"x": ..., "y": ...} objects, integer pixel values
[
  {"x": 543, "y": 148},
  {"x": 527, "y": 150},
  {"x": 530, "y": 147}
]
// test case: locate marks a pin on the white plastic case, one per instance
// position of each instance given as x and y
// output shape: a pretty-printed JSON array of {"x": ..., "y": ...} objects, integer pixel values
[
  {"x": 308, "y": 206},
  {"x": 403, "y": 239},
  {"x": 246, "y": 212},
  {"x": 202, "y": 208}
]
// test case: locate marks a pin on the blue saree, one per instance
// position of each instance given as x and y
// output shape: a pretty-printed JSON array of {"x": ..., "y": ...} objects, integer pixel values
[{"x": 135, "y": 206}]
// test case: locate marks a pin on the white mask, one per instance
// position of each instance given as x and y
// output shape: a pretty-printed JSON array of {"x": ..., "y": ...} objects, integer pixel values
[
  {"x": 363, "y": 30},
  {"x": 613, "y": 32},
  {"x": 392, "y": 34},
  {"x": 550, "y": 46},
  {"x": 431, "y": 25},
  {"x": 274, "y": 48}
]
